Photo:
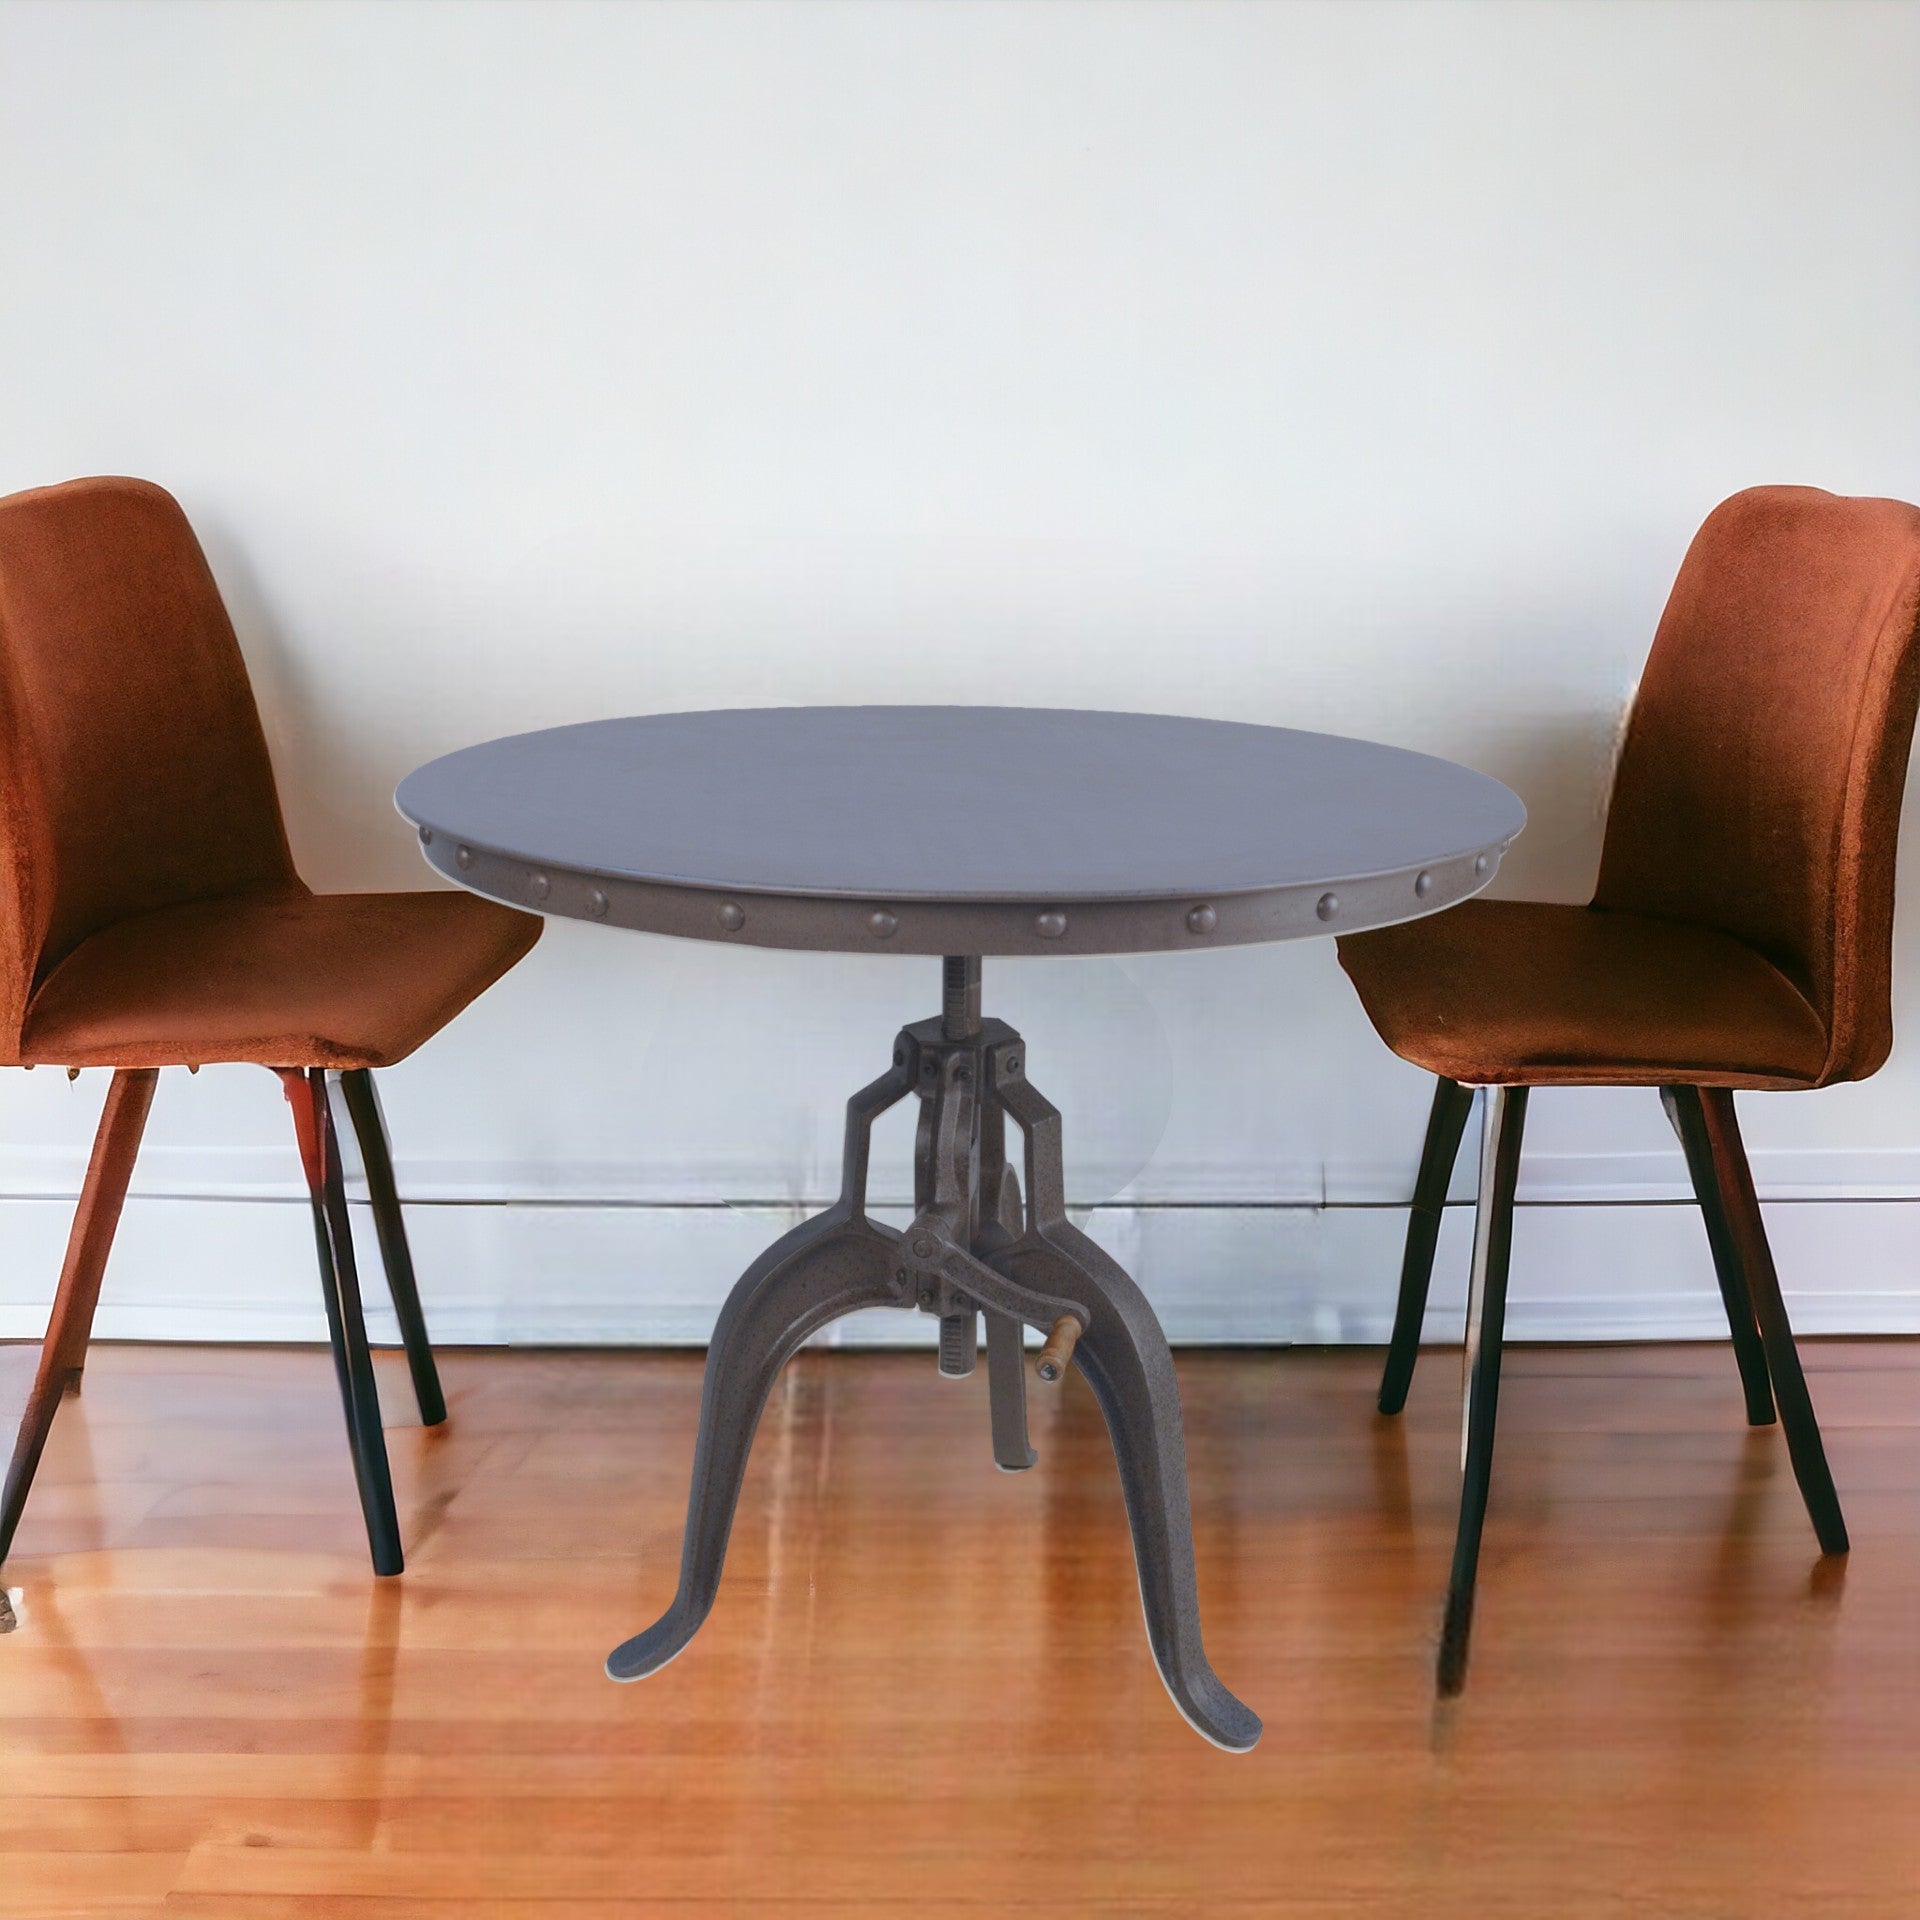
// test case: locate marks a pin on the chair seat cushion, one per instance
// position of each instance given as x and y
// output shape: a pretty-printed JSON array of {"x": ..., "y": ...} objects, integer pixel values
[
  {"x": 1512, "y": 993},
  {"x": 282, "y": 979}
]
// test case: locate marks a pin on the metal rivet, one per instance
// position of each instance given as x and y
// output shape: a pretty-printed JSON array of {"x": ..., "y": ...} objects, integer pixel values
[
  {"x": 426, "y": 836},
  {"x": 597, "y": 904},
  {"x": 464, "y": 856},
  {"x": 923, "y": 1249},
  {"x": 1422, "y": 884},
  {"x": 1202, "y": 920},
  {"x": 884, "y": 925},
  {"x": 1480, "y": 866},
  {"x": 733, "y": 918},
  {"x": 1050, "y": 926},
  {"x": 1013, "y": 1063},
  {"x": 542, "y": 886},
  {"x": 1327, "y": 905}
]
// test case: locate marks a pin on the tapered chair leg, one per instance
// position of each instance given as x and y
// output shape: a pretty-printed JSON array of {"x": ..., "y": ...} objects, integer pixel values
[
  {"x": 1683, "y": 1110},
  {"x": 116, "y": 1144},
  {"x": 370, "y": 1130},
  {"x": 1502, "y": 1124},
  {"x": 1734, "y": 1180},
  {"x": 308, "y": 1094},
  {"x": 1445, "y": 1124}
]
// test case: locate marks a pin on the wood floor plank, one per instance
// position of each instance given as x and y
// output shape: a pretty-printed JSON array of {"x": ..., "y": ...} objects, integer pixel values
[{"x": 925, "y": 1684}]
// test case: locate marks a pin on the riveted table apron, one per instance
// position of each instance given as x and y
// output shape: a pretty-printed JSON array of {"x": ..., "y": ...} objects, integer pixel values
[{"x": 843, "y": 924}]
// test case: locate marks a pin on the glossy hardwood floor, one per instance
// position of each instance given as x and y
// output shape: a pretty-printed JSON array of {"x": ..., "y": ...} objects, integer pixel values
[{"x": 925, "y": 1686}]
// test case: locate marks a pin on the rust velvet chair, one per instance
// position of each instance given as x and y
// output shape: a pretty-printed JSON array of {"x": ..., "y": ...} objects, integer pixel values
[
  {"x": 150, "y": 916},
  {"x": 1740, "y": 937}
]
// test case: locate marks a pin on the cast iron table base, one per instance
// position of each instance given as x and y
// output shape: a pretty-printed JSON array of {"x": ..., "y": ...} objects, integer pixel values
[{"x": 972, "y": 1249}]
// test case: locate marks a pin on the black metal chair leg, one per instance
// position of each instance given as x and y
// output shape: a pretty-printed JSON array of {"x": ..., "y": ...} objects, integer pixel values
[
  {"x": 1734, "y": 1180},
  {"x": 370, "y": 1130},
  {"x": 1683, "y": 1110},
  {"x": 1445, "y": 1124},
  {"x": 1502, "y": 1124},
  {"x": 308, "y": 1094}
]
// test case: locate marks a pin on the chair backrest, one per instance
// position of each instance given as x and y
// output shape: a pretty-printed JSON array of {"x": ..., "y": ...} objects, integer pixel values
[
  {"x": 133, "y": 770},
  {"x": 1760, "y": 780}
]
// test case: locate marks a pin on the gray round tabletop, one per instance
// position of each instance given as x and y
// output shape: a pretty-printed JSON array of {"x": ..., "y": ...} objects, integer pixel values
[{"x": 950, "y": 830}]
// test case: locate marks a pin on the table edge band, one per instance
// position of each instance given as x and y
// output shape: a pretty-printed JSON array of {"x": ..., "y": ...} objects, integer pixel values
[{"x": 825, "y": 923}]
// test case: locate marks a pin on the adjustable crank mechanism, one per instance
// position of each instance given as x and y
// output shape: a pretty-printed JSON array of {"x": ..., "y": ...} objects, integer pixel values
[{"x": 970, "y": 1222}]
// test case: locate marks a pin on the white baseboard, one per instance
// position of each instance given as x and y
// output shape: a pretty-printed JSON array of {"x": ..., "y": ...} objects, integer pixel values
[
  {"x": 564, "y": 1273},
  {"x": 54, "y": 1171}
]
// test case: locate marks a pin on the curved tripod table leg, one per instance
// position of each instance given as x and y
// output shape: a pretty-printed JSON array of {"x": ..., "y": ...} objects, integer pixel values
[
  {"x": 1125, "y": 1357},
  {"x": 833, "y": 1264},
  {"x": 825, "y": 1268}
]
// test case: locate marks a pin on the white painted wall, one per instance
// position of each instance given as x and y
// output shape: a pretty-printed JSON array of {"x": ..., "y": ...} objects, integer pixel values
[{"x": 1352, "y": 366}]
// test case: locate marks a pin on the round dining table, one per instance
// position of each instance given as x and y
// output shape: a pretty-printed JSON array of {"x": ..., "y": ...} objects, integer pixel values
[{"x": 961, "y": 832}]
